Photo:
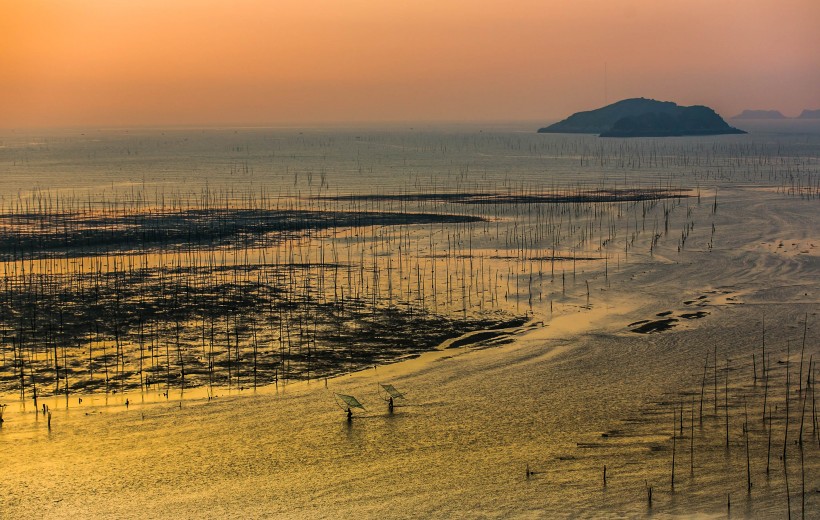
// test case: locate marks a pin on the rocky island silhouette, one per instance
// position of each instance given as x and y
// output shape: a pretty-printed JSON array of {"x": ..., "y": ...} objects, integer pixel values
[{"x": 641, "y": 117}]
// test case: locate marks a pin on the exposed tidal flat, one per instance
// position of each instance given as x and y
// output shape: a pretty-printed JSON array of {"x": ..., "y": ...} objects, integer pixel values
[{"x": 560, "y": 304}]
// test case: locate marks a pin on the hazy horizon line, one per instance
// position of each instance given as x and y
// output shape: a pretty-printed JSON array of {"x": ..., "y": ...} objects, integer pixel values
[{"x": 352, "y": 124}]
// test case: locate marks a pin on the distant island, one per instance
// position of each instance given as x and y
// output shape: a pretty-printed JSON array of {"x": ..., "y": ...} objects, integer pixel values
[
  {"x": 760, "y": 114},
  {"x": 776, "y": 114},
  {"x": 641, "y": 117}
]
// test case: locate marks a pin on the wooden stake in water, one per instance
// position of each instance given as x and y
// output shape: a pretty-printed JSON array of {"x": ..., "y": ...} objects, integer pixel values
[
  {"x": 788, "y": 493},
  {"x": 769, "y": 449},
  {"x": 715, "y": 358},
  {"x": 692, "y": 439},
  {"x": 803, "y": 412},
  {"x": 813, "y": 405},
  {"x": 726, "y": 402},
  {"x": 786, "y": 428},
  {"x": 802, "y": 480},
  {"x": 674, "y": 439},
  {"x": 748, "y": 463},
  {"x": 802, "y": 351},
  {"x": 703, "y": 386},
  {"x": 765, "y": 393},
  {"x": 754, "y": 368}
]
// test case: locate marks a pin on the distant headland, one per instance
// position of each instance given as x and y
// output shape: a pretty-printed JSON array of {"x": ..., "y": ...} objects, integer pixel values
[
  {"x": 776, "y": 114},
  {"x": 760, "y": 114},
  {"x": 641, "y": 117}
]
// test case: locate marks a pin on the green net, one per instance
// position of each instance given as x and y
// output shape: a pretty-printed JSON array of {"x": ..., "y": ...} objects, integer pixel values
[
  {"x": 350, "y": 400},
  {"x": 395, "y": 394}
]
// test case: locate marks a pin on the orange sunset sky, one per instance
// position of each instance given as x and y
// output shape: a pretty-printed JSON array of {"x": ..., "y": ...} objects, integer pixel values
[{"x": 209, "y": 62}]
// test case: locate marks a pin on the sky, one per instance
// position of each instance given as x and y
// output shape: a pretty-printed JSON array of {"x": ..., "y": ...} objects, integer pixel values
[{"x": 259, "y": 62}]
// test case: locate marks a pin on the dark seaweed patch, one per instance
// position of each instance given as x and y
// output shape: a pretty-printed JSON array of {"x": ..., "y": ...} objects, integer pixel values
[
  {"x": 630, "y": 195},
  {"x": 474, "y": 338},
  {"x": 694, "y": 315},
  {"x": 656, "y": 326},
  {"x": 42, "y": 235}
]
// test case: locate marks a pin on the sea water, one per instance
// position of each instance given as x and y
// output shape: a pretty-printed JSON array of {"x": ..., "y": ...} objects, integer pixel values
[{"x": 521, "y": 428}]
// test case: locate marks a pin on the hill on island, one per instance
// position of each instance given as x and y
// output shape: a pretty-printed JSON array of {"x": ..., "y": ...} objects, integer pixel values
[
  {"x": 809, "y": 114},
  {"x": 641, "y": 117},
  {"x": 760, "y": 114}
]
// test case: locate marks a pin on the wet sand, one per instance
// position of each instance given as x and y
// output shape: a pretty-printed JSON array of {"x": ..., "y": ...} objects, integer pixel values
[{"x": 562, "y": 399}]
